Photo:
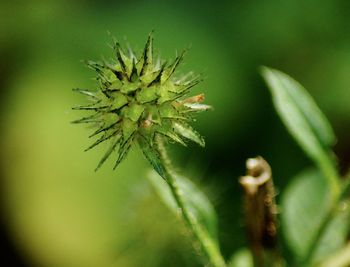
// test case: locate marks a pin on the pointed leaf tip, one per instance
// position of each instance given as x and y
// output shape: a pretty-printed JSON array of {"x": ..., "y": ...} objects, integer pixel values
[
  {"x": 120, "y": 55},
  {"x": 85, "y": 92},
  {"x": 280, "y": 82},
  {"x": 109, "y": 151},
  {"x": 124, "y": 149},
  {"x": 188, "y": 132},
  {"x": 172, "y": 136},
  {"x": 152, "y": 155},
  {"x": 103, "y": 138},
  {"x": 304, "y": 120},
  {"x": 133, "y": 76},
  {"x": 147, "y": 53},
  {"x": 157, "y": 80},
  {"x": 172, "y": 68}
]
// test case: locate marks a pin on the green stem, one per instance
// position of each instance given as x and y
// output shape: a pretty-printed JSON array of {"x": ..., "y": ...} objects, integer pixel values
[
  {"x": 324, "y": 225},
  {"x": 326, "y": 221},
  {"x": 346, "y": 188},
  {"x": 209, "y": 247},
  {"x": 329, "y": 170}
]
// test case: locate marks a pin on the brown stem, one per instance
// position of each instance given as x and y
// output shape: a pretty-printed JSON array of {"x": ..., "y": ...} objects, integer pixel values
[{"x": 260, "y": 212}]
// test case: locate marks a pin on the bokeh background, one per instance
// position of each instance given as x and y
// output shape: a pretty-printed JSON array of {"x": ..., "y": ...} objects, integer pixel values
[{"x": 56, "y": 211}]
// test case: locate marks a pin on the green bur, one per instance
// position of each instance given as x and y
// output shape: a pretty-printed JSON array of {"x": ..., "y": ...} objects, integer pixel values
[{"x": 138, "y": 99}]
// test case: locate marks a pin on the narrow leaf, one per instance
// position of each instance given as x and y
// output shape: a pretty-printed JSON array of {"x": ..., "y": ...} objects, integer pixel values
[
  {"x": 188, "y": 132},
  {"x": 173, "y": 136},
  {"x": 114, "y": 144},
  {"x": 172, "y": 68},
  {"x": 90, "y": 119},
  {"x": 134, "y": 76},
  {"x": 157, "y": 79},
  {"x": 193, "y": 82},
  {"x": 304, "y": 120},
  {"x": 86, "y": 92},
  {"x": 89, "y": 107},
  {"x": 120, "y": 56},
  {"x": 103, "y": 129},
  {"x": 123, "y": 150},
  {"x": 147, "y": 54},
  {"x": 97, "y": 66},
  {"x": 151, "y": 155},
  {"x": 102, "y": 139}
]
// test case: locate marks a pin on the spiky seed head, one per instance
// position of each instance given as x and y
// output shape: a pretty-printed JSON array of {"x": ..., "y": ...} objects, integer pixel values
[{"x": 137, "y": 99}]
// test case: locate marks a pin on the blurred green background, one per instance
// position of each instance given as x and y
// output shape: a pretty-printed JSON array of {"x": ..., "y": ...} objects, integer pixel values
[{"x": 56, "y": 211}]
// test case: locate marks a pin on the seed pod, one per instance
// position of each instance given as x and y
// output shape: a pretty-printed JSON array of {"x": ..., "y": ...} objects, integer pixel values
[{"x": 137, "y": 99}]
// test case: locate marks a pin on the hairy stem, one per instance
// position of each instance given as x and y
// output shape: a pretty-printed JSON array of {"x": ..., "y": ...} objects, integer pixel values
[{"x": 209, "y": 247}]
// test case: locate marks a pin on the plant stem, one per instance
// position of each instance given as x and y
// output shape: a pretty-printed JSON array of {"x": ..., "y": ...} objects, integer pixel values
[
  {"x": 324, "y": 225},
  {"x": 329, "y": 170},
  {"x": 209, "y": 247},
  {"x": 346, "y": 188},
  {"x": 260, "y": 212},
  {"x": 326, "y": 221}
]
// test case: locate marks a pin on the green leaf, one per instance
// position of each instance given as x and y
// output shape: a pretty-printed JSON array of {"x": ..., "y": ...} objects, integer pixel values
[
  {"x": 241, "y": 258},
  {"x": 114, "y": 144},
  {"x": 335, "y": 235},
  {"x": 118, "y": 100},
  {"x": 304, "y": 206},
  {"x": 188, "y": 132},
  {"x": 171, "y": 135},
  {"x": 151, "y": 155},
  {"x": 281, "y": 83},
  {"x": 147, "y": 54},
  {"x": 168, "y": 111},
  {"x": 129, "y": 87},
  {"x": 120, "y": 56},
  {"x": 116, "y": 85},
  {"x": 124, "y": 148},
  {"x": 304, "y": 120},
  {"x": 147, "y": 94},
  {"x": 134, "y": 111},
  {"x": 195, "y": 200},
  {"x": 171, "y": 69}
]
